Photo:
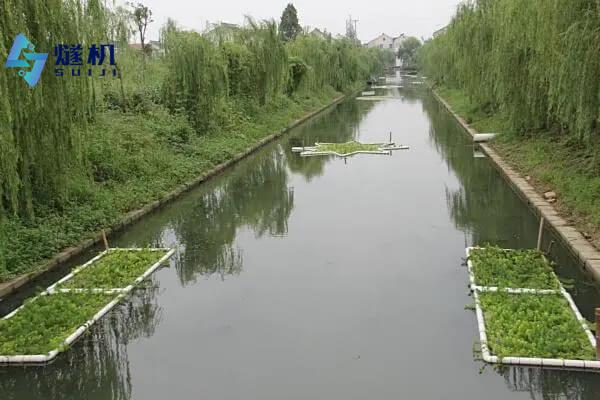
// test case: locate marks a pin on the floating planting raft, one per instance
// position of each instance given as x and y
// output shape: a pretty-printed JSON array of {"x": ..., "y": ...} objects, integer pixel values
[
  {"x": 524, "y": 314},
  {"x": 49, "y": 323},
  {"x": 348, "y": 149},
  {"x": 376, "y": 98}
]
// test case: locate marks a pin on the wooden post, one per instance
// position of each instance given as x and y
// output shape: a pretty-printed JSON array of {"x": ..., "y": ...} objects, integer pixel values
[
  {"x": 597, "y": 333},
  {"x": 104, "y": 240},
  {"x": 390, "y": 136},
  {"x": 540, "y": 234}
]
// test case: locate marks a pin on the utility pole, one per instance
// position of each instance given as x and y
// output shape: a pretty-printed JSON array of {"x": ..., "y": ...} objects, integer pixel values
[{"x": 351, "y": 26}]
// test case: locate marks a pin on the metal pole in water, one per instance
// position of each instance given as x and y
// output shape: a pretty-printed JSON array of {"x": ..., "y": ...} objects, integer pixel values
[
  {"x": 597, "y": 333},
  {"x": 390, "y": 136},
  {"x": 540, "y": 234}
]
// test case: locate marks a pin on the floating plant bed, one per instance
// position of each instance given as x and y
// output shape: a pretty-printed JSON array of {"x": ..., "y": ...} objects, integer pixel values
[
  {"x": 113, "y": 270},
  {"x": 504, "y": 268},
  {"x": 531, "y": 325},
  {"x": 348, "y": 149},
  {"x": 376, "y": 98},
  {"x": 536, "y": 325},
  {"x": 49, "y": 323}
]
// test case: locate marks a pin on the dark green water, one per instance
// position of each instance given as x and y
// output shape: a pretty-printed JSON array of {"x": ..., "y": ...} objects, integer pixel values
[{"x": 318, "y": 278}]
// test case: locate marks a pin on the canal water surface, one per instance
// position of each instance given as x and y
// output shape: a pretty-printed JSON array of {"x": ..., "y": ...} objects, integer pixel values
[{"x": 319, "y": 278}]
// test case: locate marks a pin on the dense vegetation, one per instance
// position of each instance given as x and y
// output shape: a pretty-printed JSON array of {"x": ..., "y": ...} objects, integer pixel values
[
  {"x": 527, "y": 325},
  {"x": 117, "y": 269},
  {"x": 493, "y": 266},
  {"x": 535, "y": 61},
  {"x": 529, "y": 69},
  {"x": 79, "y": 152},
  {"x": 45, "y": 322}
]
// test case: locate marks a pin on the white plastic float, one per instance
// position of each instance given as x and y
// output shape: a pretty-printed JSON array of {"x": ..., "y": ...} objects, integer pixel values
[
  {"x": 120, "y": 295},
  {"x": 387, "y": 87},
  {"x": 483, "y": 137},
  {"x": 487, "y": 355}
]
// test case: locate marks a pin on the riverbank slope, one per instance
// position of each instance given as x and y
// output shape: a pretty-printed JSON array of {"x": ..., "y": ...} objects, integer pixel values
[
  {"x": 546, "y": 163},
  {"x": 154, "y": 164}
]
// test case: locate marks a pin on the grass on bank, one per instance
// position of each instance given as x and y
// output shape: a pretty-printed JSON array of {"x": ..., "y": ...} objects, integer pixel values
[
  {"x": 117, "y": 269},
  {"x": 137, "y": 158},
  {"x": 346, "y": 148},
  {"x": 43, "y": 324},
  {"x": 493, "y": 266},
  {"x": 554, "y": 161},
  {"x": 526, "y": 325}
]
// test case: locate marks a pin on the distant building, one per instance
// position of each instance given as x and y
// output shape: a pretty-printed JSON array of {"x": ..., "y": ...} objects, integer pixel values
[
  {"x": 221, "y": 31},
  {"x": 317, "y": 32},
  {"x": 384, "y": 41},
  {"x": 154, "y": 47}
]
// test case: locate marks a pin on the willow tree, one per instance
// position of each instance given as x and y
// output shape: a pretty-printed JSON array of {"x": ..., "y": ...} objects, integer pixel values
[
  {"x": 535, "y": 61},
  {"x": 197, "y": 83},
  {"x": 38, "y": 142},
  {"x": 269, "y": 58}
]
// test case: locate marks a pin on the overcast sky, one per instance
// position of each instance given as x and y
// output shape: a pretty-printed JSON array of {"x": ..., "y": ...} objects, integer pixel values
[{"x": 412, "y": 17}]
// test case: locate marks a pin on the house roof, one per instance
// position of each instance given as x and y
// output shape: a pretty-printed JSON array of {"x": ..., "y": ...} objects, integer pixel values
[{"x": 393, "y": 38}]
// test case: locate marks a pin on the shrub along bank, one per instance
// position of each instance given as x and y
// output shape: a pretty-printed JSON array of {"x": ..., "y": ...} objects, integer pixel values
[
  {"x": 529, "y": 69},
  {"x": 78, "y": 153}
]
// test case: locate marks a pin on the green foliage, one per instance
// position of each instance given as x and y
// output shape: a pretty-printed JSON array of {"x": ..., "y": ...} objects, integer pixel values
[
  {"x": 78, "y": 153},
  {"x": 348, "y": 147},
  {"x": 135, "y": 159},
  {"x": 197, "y": 82},
  {"x": 289, "y": 26},
  {"x": 408, "y": 51},
  {"x": 570, "y": 169},
  {"x": 117, "y": 269},
  {"x": 319, "y": 62},
  {"x": 268, "y": 61},
  {"x": 493, "y": 266},
  {"x": 526, "y": 325},
  {"x": 534, "y": 61},
  {"x": 141, "y": 17},
  {"x": 38, "y": 140},
  {"x": 45, "y": 322}
]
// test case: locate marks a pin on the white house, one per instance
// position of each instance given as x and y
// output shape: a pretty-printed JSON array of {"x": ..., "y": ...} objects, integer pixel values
[{"x": 384, "y": 41}]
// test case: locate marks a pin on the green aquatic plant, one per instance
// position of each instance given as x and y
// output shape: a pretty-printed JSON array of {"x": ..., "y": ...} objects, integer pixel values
[
  {"x": 529, "y": 325},
  {"x": 493, "y": 266},
  {"x": 346, "y": 148},
  {"x": 45, "y": 322},
  {"x": 117, "y": 269}
]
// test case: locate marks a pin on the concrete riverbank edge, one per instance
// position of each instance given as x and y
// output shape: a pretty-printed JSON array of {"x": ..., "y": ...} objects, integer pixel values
[
  {"x": 574, "y": 240},
  {"x": 129, "y": 218}
]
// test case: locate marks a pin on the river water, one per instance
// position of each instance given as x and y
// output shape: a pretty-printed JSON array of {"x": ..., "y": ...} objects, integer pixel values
[{"x": 319, "y": 277}]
